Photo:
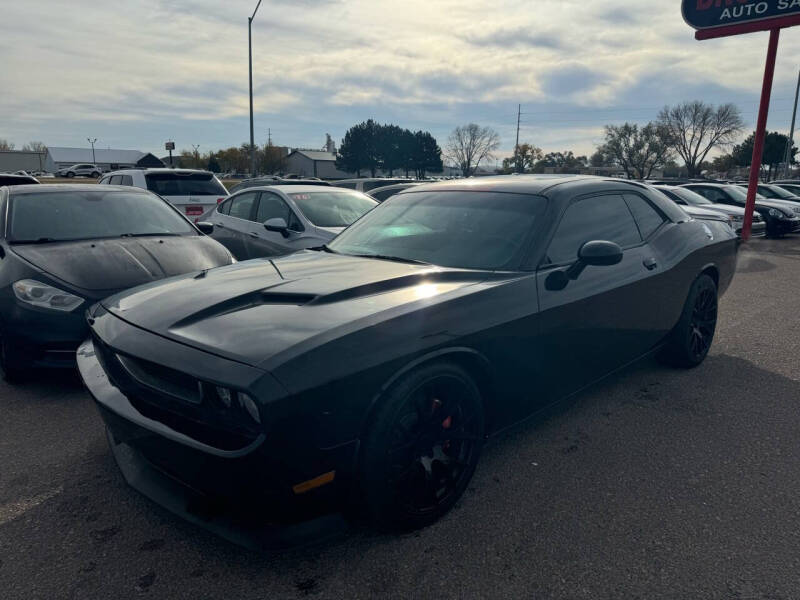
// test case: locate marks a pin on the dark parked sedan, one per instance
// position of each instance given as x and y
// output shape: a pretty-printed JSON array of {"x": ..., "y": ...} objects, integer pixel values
[
  {"x": 781, "y": 217},
  {"x": 7, "y": 179},
  {"x": 369, "y": 373},
  {"x": 64, "y": 247}
]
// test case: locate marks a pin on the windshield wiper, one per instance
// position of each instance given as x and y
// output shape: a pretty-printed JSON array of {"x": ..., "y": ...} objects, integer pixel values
[
  {"x": 323, "y": 248},
  {"x": 41, "y": 240},
  {"x": 410, "y": 261}
]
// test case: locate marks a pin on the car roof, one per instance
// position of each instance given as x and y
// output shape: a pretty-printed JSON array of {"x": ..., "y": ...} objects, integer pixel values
[
  {"x": 298, "y": 189},
  {"x": 521, "y": 184},
  {"x": 159, "y": 170},
  {"x": 42, "y": 188}
]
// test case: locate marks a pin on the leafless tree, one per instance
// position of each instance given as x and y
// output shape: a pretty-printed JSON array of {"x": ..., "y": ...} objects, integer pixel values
[
  {"x": 6, "y": 145},
  {"x": 471, "y": 144},
  {"x": 695, "y": 128},
  {"x": 35, "y": 147},
  {"x": 637, "y": 150}
]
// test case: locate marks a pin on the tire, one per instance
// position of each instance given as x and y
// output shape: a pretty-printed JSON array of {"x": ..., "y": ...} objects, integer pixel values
[
  {"x": 421, "y": 447},
  {"x": 692, "y": 337},
  {"x": 70, "y": 174},
  {"x": 95, "y": 175}
]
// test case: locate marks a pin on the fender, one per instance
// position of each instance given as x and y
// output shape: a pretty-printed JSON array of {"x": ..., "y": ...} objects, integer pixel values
[{"x": 440, "y": 353}]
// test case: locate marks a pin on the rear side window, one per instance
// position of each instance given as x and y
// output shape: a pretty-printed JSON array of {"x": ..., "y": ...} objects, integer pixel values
[
  {"x": 116, "y": 180},
  {"x": 381, "y": 195},
  {"x": 597, "y": 218},
  {"x": 241, "y": 206},
  {"x": 647, "y": 217},
  {"x": 190, "y": 184}
]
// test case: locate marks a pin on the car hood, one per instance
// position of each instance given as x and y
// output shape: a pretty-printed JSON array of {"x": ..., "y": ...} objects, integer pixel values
[
  {"x": 783, "y": 205},
  {"x": 725, "y": 209},
  {"x": 111, "y": 265},
  {"x": 254, "y": 310}
]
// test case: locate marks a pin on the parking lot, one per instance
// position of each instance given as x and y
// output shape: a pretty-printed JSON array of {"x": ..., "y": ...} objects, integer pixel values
[{"x": 657, "y": 483}]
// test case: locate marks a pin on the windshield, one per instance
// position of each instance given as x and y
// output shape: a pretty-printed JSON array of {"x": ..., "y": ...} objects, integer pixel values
[
  {"x": 188, "y": 184},
  {"x": 470, "y": 230},
  {"x": 691, "y": 197},
  {"x": 776, "y": 192},
  {"x": 333, "y": 208},
  {"x": 739, "y": 193},
  {"x": 66, "y": 216}
]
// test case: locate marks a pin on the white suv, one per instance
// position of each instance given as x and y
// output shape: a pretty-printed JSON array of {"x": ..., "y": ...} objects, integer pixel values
[
  {"x": 80, "y": 170},
  {"x": 191, "y": 191}
]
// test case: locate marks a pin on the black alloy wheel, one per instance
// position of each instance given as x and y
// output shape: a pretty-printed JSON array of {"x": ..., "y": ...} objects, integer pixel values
[
  {"x": 692, "y": 337},
  {"x": 422, "y": 449},
  {"x": 703, "y": 323}
]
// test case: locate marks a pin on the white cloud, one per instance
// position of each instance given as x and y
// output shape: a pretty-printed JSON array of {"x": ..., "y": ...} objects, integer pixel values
[{"x": 134, "y": 72}]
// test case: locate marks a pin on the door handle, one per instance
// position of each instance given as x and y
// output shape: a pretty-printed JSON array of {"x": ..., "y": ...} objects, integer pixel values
[
  {"x": 650, "y": 263},
  {"x": 253, "y": 234}
]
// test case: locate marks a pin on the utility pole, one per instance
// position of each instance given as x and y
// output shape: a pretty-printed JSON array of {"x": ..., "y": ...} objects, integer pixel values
[
  {"x": 92, "y": 141},
  {"x": 516, "y": 146},
  {"x": 790, "y": 142},
  {"x": 196, "y": 156},
  {"x": 250, "y": 63},
  {"x": 269, "y": 136}
]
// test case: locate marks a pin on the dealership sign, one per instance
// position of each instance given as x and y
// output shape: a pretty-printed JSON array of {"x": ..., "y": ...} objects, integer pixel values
[{"x": 704, "y": 14}]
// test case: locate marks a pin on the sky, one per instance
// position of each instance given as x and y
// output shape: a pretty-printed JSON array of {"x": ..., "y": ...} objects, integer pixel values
[{"x": 136, "y": 73}]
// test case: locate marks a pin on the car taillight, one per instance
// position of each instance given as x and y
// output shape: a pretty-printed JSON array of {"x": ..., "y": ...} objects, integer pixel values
[{"x": 220, "y": 200}]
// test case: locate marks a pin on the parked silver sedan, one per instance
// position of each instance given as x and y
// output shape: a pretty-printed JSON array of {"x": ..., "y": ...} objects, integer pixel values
[{"x": 280, "y": 219}]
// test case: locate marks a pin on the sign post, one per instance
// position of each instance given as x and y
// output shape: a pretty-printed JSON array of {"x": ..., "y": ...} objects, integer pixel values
[{"x": 722, "y": 18}]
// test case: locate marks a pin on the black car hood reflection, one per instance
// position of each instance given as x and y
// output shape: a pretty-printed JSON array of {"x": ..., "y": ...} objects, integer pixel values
[
  {"x": 254, "y": 310},
  {"x": 121, "y": 263}
]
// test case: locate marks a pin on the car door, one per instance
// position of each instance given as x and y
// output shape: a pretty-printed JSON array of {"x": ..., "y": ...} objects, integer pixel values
[
  {"x": 601, "y": 320},
  {"x": 232, "y": 222},
  {"x": 272, "y": 243}
]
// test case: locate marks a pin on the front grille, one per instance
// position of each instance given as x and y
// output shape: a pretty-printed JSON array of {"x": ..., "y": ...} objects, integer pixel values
[{"x": 177, "y": 400}]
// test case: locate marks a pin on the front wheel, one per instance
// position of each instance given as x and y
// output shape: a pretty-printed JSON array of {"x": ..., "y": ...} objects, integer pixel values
[
  {"x": 70, "y": 175},
  {"x": 422, "y": 447},
  {"x": 691, "y": 339}
]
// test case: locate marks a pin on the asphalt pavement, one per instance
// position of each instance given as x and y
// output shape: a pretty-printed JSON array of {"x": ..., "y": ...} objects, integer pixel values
[{"x": 657, "y": 483}]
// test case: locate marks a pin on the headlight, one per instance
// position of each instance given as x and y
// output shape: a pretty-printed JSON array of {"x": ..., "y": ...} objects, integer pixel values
[
  {"x": 232, "y": 398},
  {"x": 737, "y": 218},
  {"x": 775, "y": 213},
  {"x": 45, "y": 296}
]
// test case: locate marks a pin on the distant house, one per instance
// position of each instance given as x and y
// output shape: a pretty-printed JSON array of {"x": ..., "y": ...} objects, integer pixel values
[
  {"x": 21, "y": 160},
  {"x": 106, "y": 159},
  {"x": 314, "y": 163}
]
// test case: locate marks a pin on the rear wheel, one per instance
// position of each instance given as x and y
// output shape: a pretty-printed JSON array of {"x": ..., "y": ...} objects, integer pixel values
[
  {"x": 70, "y": 174},
  {"x": 95, "y": 174},
  {"x": 422, "y": 447},
  {"x": 691, "y": 339}
]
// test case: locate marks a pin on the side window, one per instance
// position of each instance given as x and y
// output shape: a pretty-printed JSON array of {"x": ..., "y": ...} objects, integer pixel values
[
  {"x": 271, "y": 207},
  {"x": 116, "y": 180},
  {"x": 710, "y": 194},
  {"x": 597, "y": 218},
  {"x": 126, "y": 180},
  {"x": 647, "y": 217},
  {"x": 242, "y": 205}
]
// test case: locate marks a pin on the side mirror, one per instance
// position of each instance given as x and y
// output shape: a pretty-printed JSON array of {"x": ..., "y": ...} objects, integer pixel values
[
  {"x": 600, "y": 254},
  {"x": 277, "y": 224},
  {"x": 205, "y": 227},
  {"x": 595, "y": 253}
]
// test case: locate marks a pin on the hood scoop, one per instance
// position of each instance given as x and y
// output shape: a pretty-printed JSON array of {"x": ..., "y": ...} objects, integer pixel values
[{"x": 244, "y": 302}]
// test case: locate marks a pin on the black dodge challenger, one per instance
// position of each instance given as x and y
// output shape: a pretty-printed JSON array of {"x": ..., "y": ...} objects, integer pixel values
[{"x": 366, "y": 374}]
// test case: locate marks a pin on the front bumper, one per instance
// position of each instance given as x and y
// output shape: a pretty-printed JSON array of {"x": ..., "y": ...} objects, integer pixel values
[
  {"x": 43, "y": 338},
  {"x": 246, "y": 496},
  {"x": 757, "y": 230},
  {"x": 788, "y": 225}
]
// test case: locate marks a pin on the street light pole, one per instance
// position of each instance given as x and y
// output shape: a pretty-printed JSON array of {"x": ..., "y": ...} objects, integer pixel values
[
  {"x": 790, "y": 142},
  {"x": 92, "y": 141},
  {"x": 250, "y": 64}
]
